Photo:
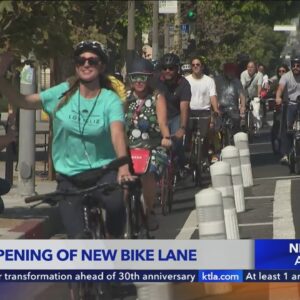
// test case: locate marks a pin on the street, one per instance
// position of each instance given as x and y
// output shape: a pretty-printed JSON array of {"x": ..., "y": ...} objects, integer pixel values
[{"x": 271, "y": 212}]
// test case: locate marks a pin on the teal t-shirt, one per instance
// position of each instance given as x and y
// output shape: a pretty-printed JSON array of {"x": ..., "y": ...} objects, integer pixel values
[{"x": 81, "y": 129}]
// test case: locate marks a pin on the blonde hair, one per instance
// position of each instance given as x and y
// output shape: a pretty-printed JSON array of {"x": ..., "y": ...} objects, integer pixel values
[{"x": 74, "y": 81}]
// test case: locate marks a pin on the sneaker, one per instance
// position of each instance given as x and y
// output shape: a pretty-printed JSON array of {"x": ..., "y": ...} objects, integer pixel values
[
  {"x": 214, "y": 159},
  {"x": 152, "y": 221},
  {"x": 284, "y": 160}
]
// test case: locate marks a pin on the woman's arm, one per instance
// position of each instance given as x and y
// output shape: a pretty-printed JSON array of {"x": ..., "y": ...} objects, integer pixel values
[
  {"x": 10, "y": 92},
  {"x": 16, "y": 99}
]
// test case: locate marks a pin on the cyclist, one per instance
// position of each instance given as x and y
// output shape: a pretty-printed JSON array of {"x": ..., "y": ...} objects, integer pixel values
[
  {"x": 252, "y": 81},
  {"x": 147, "y": 127},
  {"x": 178, "y": 95},
  {"x": 287, "y": 92},
  {"x": 204, "y": 97},
  {"x": 88, "y": 132},
  {"x": 231, "y": 94}
]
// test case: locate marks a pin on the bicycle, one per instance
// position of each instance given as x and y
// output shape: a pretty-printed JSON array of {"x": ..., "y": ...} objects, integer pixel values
[
  {"x": 228, "y": 125},
  {"x": 137, "y": 225},
  {"x": 294, "y": 156},
  {"x": 196, "y": 160},
  {"x": 249, "y": 126},
  {"x": 94, "y": 223},
  {"x": 168, "y": 181}
]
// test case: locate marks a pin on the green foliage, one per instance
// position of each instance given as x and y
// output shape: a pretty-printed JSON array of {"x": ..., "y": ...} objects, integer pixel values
[{"x": 226, "y": 28}]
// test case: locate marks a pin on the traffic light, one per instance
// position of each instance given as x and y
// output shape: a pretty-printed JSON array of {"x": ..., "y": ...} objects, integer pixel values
[{"x": 191, "y": 15}]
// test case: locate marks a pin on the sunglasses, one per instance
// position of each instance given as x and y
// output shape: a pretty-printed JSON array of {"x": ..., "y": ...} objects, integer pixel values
[
  {"x": 295, "y": 65},
  {"x": 92, "y": 61},
  {"x": 138, "y": 78},
  {"x": 171, "y": 68},
  {"x": 281, "y": 71},
  {"x": 196, "y": 65}
]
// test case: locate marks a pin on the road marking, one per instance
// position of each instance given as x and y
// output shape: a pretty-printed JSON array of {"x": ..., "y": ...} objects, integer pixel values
[
  {"x": 256, "y": 224},
  {"x": 189, "y": 227},
  {"x": 257, "y": 144},
  {"x": 258, "y": 197},
  {"x": 277, "y": 178},
  {"x": 283, "y": 227}
]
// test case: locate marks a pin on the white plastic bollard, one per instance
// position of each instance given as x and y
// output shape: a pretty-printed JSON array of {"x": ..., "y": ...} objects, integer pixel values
[
  {"x": 231, "y": 155},
  {"x": 154, "y": 291},
  {"x": 241, "y": 142},
  {"x": 211, "y": 225},
  {"x": 221, "y": 180},
  {"x": 210, "y": 214}
]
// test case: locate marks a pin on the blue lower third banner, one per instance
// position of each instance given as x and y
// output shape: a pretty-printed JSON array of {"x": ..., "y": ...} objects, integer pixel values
[{"x": 277, "y": 254}]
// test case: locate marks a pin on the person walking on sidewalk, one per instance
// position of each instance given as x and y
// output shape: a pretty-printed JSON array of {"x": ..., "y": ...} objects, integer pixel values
[{"x": 88, "y": 132}]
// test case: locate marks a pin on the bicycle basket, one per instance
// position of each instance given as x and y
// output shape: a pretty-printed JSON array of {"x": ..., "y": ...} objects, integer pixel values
[{"x": 140, "y": 159}]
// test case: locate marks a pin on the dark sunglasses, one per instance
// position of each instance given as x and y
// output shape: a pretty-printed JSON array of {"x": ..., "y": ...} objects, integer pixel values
[
  {"x": 92, "y": 61},
  {"x": 295, "y": 65},
  {"x": 196, "y": 65},
  {"x": 171, "y": 68},
  {"x": 281, "y": 71}
]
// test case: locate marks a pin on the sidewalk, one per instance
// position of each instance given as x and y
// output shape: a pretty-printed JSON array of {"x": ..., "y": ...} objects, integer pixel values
[{"x": 19, "y": 220}]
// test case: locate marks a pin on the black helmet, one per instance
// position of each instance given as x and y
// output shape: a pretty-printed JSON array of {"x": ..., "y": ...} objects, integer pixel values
[
  {"x": 295, "y": 59},
  {"x": 91, "y": 46},
  {"x": 141, "y": 66},
  {"x": 170, "y": 59}
]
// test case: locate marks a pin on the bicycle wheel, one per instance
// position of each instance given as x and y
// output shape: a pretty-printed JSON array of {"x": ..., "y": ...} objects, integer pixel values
[
  {"x": 164, "y": 191},
  {"x": 137, "y": 220},
  {"x": 198, "y": 163},
  {"x": 250, "y": 126}
]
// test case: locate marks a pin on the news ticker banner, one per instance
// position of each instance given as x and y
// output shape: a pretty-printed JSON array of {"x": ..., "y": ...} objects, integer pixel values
[{"x": 150, "y": 260}]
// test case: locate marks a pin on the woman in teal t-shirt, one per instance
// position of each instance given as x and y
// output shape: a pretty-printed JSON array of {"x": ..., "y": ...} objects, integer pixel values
[{"x": 88, "y": 132}]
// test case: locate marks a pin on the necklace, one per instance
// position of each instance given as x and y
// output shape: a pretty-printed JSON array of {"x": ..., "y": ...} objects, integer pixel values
[{"x": 81, "y": 132}]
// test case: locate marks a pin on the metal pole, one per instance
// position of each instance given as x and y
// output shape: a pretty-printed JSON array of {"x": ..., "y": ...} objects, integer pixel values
[
  {"x": 155, "y": 31},
  {"x": 166, "y": 34},
  {"x": 130, "y": 35},
  {"x": 26, "y": 182}
]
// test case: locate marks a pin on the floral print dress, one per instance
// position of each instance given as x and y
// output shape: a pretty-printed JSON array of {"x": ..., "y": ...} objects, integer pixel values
[{"x": 143, "y": 130}]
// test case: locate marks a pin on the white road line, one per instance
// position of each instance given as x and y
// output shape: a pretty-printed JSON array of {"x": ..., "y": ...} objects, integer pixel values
[
  {"x": 258, "y": 197},
  {"x": 255, "y": 144},
  {"x": 255, "y": 224},
  {"x": 189, "y": 227},
  {"x": 278, "y": 178},
  {"x": 283, "y": 227}
]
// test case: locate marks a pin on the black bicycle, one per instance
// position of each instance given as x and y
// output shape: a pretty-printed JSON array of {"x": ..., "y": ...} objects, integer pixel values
[
  {"x": 294, "y": 156},
  {"x": 197, "y": 160},
  {"x": 249, "y": 124},
  {"x": 94, "y": 221},
  {"x": 229, "y": 114}
]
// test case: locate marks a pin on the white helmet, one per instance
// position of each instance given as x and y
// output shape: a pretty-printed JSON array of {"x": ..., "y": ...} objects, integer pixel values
[{"x": 186, "y": 68}]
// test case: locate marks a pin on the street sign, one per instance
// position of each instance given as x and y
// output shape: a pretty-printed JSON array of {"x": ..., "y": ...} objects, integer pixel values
[
  {"x": 167, "y": 7},
  {"x": 185, "y": 28}
]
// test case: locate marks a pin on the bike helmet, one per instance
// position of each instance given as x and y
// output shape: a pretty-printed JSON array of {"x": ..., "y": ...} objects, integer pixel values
[
  {"x": 186, "y": 68},
  {"x": 170, "y": 59},
  {"x": 141, "y": 66},
  {"x": 91, "y": 46},
  {"x": 295, "y": 59}
]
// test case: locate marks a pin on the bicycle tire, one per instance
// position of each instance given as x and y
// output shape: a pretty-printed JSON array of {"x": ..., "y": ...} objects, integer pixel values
[
  {"x": 250, "y": 125},
  {"x": 164, "y": 192},
  {"x": 198, "y": 163}
]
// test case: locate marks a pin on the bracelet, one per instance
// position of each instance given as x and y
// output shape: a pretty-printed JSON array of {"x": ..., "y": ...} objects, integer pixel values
[{"x": 167, "y": 137}]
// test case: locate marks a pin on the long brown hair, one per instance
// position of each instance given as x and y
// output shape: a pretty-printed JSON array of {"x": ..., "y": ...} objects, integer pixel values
[{"x": 74, "y": 81}]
